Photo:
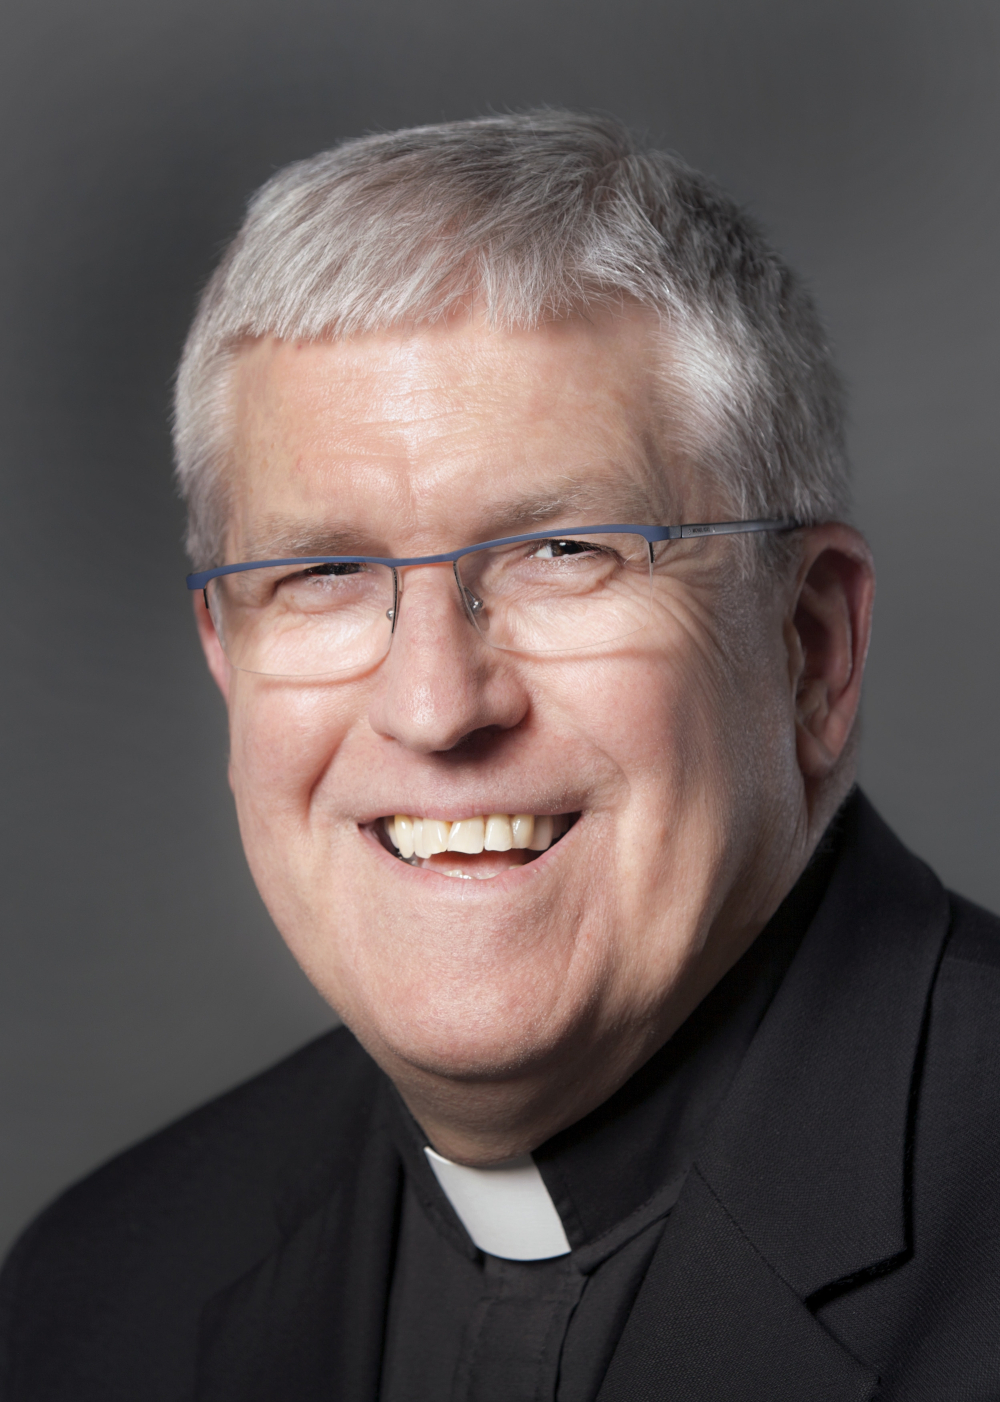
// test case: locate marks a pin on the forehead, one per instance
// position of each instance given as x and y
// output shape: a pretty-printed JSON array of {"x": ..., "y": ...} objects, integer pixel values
[{"x": 435, "y": 437}]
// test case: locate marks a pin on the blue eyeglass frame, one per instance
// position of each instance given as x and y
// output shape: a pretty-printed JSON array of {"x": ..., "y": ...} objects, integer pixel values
[{"x": 651, "y": 534}]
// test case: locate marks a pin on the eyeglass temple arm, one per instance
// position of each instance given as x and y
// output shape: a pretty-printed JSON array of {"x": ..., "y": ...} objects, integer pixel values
[{"x": 729, "y": 528}]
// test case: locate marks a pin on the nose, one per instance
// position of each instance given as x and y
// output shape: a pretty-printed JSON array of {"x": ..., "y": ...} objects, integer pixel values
[{"x": 441, "y": 683}]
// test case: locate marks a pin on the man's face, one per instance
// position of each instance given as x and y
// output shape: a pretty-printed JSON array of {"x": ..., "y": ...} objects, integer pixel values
[{"x": 669, "y": 755}]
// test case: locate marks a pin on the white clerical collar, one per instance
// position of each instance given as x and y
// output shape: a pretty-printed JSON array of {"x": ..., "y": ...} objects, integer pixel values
[{"x": 506, "y": 1210}]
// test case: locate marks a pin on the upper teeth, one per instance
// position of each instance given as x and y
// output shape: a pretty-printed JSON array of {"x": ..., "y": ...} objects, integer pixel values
[{"x": 495, "y": 832}]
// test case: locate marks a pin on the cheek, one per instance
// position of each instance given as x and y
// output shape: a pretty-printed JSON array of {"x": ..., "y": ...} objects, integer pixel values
[
  {"x": 654, "y": 720},
  {"x": 684, "y": 736},
  {"x": 282, "y": 740},
  {"x": 658, "y": 719}
]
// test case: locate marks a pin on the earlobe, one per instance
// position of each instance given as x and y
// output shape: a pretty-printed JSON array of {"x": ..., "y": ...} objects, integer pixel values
[
  {"x": 830, "y": 626},
  {"x": 218, "y": 664}
]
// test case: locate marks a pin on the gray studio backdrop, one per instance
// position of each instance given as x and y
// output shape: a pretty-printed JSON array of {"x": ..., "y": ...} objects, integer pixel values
[{"x": 140, "y": 973}]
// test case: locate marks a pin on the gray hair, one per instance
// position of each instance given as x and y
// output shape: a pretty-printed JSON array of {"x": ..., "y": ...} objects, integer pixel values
[{"x": 530, "y": 217}]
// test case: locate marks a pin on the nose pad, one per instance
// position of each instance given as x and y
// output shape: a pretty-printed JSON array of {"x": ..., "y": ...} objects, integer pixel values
[
  {"x": 390, "y": 613},
  {"x": 475, "y": 608}
]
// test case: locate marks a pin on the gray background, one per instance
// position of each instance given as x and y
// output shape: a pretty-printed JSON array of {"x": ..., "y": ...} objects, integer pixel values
[{"x": 140, "y": 973}]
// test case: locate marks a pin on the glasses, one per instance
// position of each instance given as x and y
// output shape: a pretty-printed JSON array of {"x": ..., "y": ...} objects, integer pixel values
[{"x": 326, "y": 616}]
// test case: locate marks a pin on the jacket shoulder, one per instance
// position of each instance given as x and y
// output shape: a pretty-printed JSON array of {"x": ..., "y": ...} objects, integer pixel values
[
  {"x": 963, "y": 1043},
  {"x": 975, "y": 934},
  {"x": 928, "y": 1324},
  {"x": 135, "y": 1248}
]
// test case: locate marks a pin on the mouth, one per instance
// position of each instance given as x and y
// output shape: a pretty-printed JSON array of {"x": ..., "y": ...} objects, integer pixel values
[{"x": 474, "y": 848}]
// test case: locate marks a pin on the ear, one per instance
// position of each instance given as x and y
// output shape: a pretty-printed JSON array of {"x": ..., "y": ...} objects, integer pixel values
[
  {"x": 828, "y": 630},
  {"x": 210, "y": 645}
]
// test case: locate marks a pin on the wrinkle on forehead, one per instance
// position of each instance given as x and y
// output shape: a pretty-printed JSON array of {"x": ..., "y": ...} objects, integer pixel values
[{"x": 450, "y": 426}]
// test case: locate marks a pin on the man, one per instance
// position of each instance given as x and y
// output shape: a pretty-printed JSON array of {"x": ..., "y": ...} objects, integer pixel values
[{"x": 517, "y": 493}]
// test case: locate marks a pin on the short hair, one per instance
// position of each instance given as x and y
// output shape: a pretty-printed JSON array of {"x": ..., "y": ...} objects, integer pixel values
[{"x": 528, "y": 216}]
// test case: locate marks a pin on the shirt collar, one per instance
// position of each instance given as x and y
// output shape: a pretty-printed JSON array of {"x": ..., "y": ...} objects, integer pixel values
[{"x": 506, "y": 1209}]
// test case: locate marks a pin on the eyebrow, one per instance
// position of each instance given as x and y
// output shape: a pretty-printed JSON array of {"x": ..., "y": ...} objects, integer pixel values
[
  {"x": 281, "y": 538},
  {"x": 574, "y": 503},
  {"x": 628, "y": 502}
]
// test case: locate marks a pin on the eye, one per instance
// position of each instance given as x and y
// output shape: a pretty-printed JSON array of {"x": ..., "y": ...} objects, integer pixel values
[
  {"x": 342, "y": 584},
  {"x": 320, "y": 577},
  {"x": 557, "y": 549},
  {"x": 318, "y": 571}
]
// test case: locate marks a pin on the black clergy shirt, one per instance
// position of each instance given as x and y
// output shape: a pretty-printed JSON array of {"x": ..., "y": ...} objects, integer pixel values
[{"x": 464, "y": 1326}]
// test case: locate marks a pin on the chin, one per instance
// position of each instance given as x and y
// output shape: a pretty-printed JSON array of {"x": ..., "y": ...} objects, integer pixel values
[{"x": 482, "y": 1038}]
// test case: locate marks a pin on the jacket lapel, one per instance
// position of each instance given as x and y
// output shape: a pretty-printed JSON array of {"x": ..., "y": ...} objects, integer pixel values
[
  {"x": 714, "y": 1321},
  {"x": 307, "y": 1323},
  {"x": 802, "y": 1190}
]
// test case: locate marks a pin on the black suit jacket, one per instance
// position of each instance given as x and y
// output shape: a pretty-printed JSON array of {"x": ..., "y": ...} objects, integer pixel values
[{"x": 838, "y": 1238}]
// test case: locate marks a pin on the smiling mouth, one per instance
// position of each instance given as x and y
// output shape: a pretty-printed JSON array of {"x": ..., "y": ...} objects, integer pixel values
[{"x": 473, "y": 848}]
